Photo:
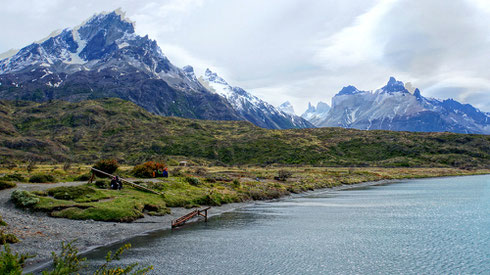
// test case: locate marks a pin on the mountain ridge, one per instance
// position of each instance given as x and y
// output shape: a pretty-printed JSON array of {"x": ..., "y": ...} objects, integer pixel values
[
  {"x": 394, "y": 107},
  {"x": 104, "y": 57},
  {"x": 85, "y": 131}
]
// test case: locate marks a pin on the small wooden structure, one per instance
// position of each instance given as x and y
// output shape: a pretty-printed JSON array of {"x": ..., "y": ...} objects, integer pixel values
[
  {"x": 182, "y": 220},
  {"x": 137, "y": 186},
  {"x": 183, "y": 163}
]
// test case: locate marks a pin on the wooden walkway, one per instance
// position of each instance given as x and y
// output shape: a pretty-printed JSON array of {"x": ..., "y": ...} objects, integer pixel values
[{"x": 182, "y": 220}]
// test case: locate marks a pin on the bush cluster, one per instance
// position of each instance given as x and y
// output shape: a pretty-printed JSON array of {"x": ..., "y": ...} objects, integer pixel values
[
  {"x": 41, "y": 178},
  {"x": 193, "y": 181},
  {"x": 283, "y": 175},
  {"x": 102, "y": 184},
  {"x": 82, "y": 177},
  {"x": 24, "y": 199},
  {"x": 14, "y": 177},
  {"x": 177, "y": 172},
  {"x": 71, "y": 193},
  {"x": 146, "y": 169},
  {"x": 68, "y": 261},
  {"x": 7, "y": 238},
  {"x": 107, "y": 165},
  {"x": 6, "y": 185}
]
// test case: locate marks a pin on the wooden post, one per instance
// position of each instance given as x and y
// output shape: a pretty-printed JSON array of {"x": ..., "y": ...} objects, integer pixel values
[{"x": 92, "y": 177}]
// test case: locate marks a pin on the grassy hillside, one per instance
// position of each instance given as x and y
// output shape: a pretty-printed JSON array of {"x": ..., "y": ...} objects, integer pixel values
[{"x": 60, "y": 131}]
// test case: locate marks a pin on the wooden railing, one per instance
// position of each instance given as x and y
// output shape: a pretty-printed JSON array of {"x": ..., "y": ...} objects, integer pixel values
[
  {"x": 182, "y": 220},
  {"x": 137, "y": 186}
]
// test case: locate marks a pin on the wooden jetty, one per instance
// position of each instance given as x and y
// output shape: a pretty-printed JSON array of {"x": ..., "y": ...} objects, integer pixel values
[
  {"x": 137, "y": 186},
  {"x": 198, "y": 212}
]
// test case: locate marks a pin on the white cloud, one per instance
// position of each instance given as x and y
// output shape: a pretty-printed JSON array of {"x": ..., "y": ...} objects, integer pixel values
[{"x": 297, "y": 50}]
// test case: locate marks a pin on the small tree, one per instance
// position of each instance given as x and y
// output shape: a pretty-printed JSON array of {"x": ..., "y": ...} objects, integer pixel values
[
  {"x": 283, "y": 175},
  {"x": 31, "y": 166},
  {"x": 66, "y": 166},
  {"x": 107, "y": 165},
  {"x": 12, "y": 263}
]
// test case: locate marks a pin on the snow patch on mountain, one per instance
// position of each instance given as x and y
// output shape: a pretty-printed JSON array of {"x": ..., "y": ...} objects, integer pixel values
[
  {"x": 316, "y": 114},
  {"x": 251, "y": 107},
  {"x": 399, "y": 106},
  {"x": 287, "y": 108}
]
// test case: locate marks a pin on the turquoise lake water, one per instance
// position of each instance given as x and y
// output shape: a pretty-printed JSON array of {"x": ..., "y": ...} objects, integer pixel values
[{"x": 427, "y": 226}]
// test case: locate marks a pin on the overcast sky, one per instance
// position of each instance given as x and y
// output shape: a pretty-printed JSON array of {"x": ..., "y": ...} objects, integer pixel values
[{"x": 297, "y": 50}]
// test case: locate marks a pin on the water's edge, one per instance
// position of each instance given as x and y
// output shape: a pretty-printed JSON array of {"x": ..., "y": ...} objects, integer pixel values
[{"x": 220, "y": 210}]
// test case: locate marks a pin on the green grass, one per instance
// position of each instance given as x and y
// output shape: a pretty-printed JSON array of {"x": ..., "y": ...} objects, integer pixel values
[
  {"x": 86, "y": 202},
  {"x": 84, "y": 132},
  {"x": 213, "y": 186}
]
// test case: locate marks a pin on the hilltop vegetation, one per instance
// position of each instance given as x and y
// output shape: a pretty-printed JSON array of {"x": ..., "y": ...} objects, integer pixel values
[{"x": 83, "y": 132}]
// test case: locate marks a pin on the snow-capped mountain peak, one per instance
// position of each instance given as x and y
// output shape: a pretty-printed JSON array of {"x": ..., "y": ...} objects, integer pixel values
[
  {"x": 251, "y": 107},
  {"x": 394, "y": 107},
  {"x": 189, "y": 72},
  {"x": 286, "y": 107},
  {"x": 316, "y": 114},
  {"x": 394, "y": 86},
  {"x": 104, "y": 57},
  {"x": 214, "y": 77},
  {"x": 349, "y": 90}
]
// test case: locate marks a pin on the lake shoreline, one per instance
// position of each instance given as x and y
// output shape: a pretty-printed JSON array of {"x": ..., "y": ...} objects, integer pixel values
[{"x": 43, "y": 234}]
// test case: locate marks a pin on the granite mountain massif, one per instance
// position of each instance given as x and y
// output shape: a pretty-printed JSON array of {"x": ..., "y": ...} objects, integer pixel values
[{"x": 103, "y": 57}]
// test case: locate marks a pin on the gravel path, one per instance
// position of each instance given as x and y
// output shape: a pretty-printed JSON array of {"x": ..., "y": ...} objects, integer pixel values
[{"x": 40, "y": 234}]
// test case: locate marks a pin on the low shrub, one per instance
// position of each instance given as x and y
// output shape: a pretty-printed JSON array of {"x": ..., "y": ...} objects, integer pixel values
[
  {"x": 177, "y": 172},
  {"x": 12, "y": 263},
  {"x": 6, "y": 185},
  {"x": 66, "y": 166},
  {"x": 193, "y": 181},
  {"x": 68, "y": 261},
  {"x": 283, "y": 175},
  {"x": 41, "y": 178},
  {"x": 72, "y": 192},
  {"x": 146, "y": 169},
  {"x": 24, "y": 199},
  {"x": 102, "y": 184},
  {"x": 107, "y": 165},
  {"x": 14, "y": 177},
  {"x": 7, "y": 238},
  {"x": 200, "y": 171},
  {"x": 82, "y": 177}
]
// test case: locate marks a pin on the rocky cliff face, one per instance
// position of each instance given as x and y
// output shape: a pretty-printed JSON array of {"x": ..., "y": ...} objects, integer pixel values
[
  {"x": 251, "y": 107},
  {"x": 393, "y": 107},
  {"x": 103, "y": 57}
]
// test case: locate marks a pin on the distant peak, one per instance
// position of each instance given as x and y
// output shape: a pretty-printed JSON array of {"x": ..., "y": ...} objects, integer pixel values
[
  {"x": 109, "y": 21},
  {"x": 213, "y": 77},
  {"x": 394, "y": 85},
  {"x": 287, "y": 108},
  {"x": 349, "y": 90},
  {"x": 416, "y": 93},
  {"x": 322, "y": 107},
  {"x": 189, "y": 71}
]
